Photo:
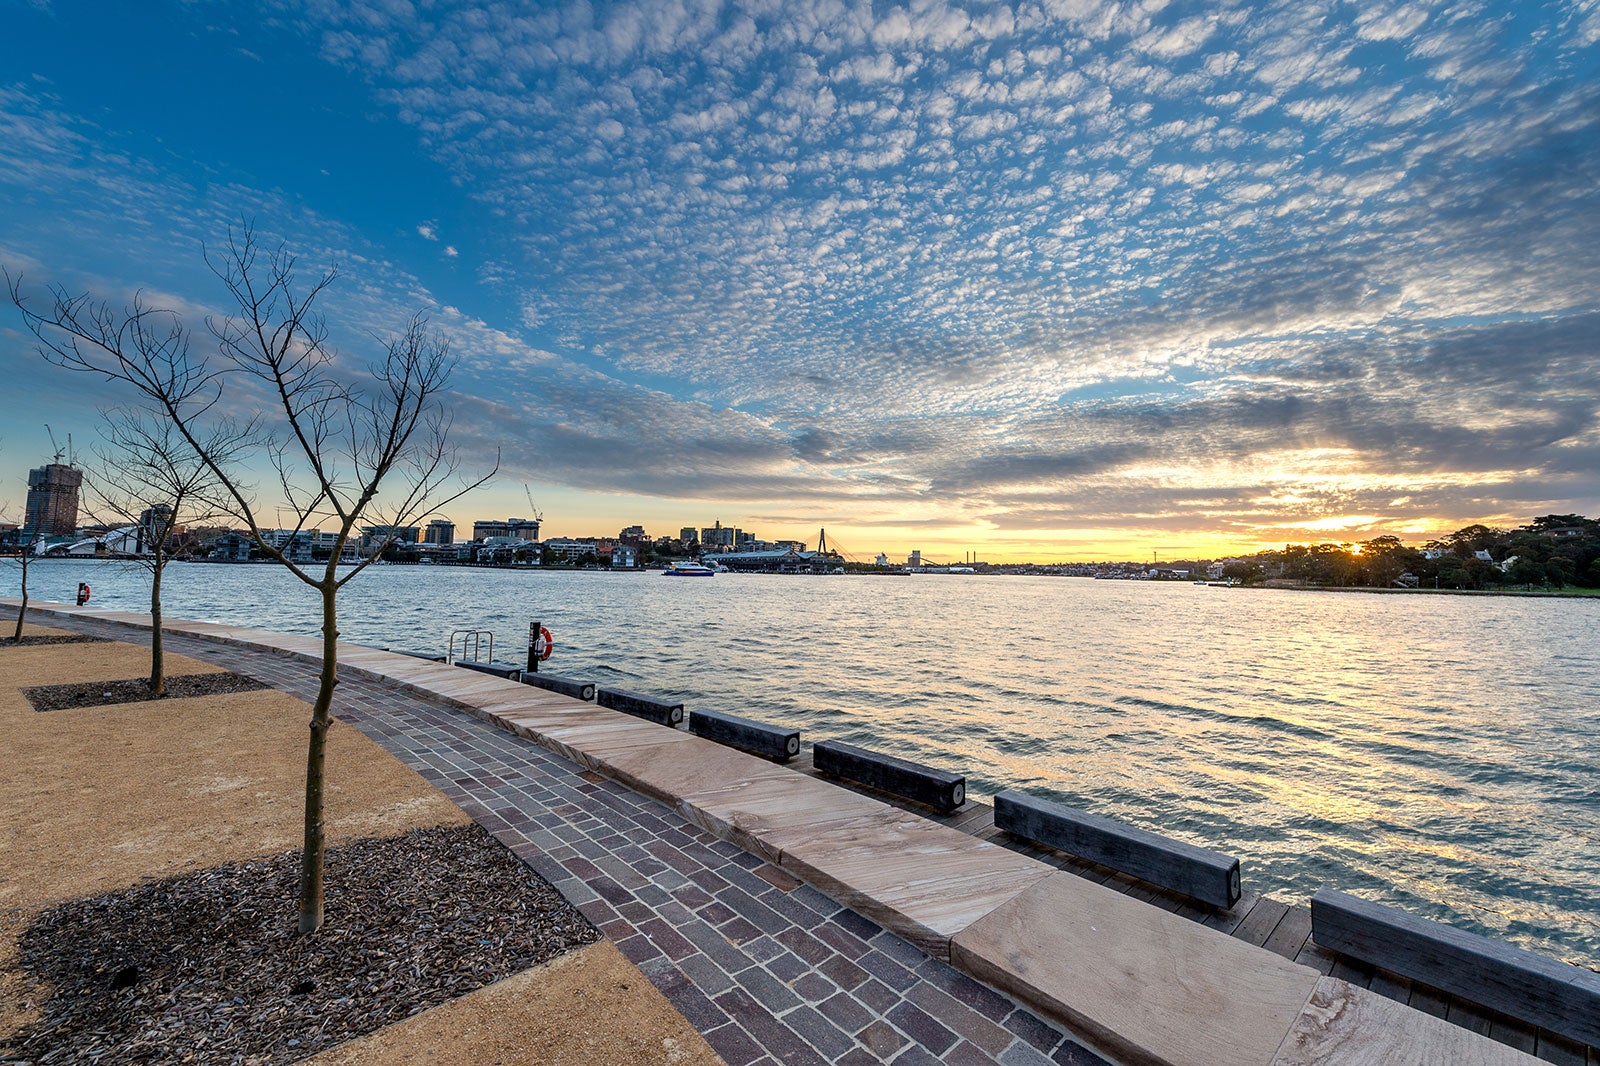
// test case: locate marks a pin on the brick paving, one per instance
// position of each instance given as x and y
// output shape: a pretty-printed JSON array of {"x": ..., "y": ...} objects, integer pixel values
[{"x": 766, "y": 967}]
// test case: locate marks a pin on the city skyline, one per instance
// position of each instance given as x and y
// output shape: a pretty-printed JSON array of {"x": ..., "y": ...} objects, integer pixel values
[{"x": 1058, "y": 281}]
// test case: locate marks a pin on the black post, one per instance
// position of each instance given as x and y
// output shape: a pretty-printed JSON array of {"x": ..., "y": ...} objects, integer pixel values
[{"x": 533, "y": 647}]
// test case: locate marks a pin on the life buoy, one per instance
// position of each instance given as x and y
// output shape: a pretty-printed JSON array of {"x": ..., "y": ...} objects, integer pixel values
[
  {"x": 83, "y": 593},
  {"x": 544, "y": 645}
]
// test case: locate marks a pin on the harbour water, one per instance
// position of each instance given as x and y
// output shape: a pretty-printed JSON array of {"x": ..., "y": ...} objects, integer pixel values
[{"x": 1438, "y": 753}]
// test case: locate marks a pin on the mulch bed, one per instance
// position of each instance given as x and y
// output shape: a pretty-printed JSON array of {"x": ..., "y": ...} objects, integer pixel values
[
  {"x": 135, "y": 690},
  {"x": 36, "y": 640},
  {"x": 207, "y": 967}
]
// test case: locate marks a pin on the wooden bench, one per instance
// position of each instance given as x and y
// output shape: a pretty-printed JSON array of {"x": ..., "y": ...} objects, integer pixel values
[
  {"x": 578, "y": 690},
  {"x": 649, "y": 708},
  {"x": 510, "y": 673},
  {"x": 1542, "y": 991},
  {"x": 937, "y": 788},
  {"x": 774, "y": 742},
  {"x": 1196, "y": 872}
]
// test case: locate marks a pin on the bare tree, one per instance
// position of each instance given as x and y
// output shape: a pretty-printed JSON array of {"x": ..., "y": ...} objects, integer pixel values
[
  {"x": 27, "y": 543},
  {"x": 341, "y": 452},
  {"x": 149, "y": 480}
]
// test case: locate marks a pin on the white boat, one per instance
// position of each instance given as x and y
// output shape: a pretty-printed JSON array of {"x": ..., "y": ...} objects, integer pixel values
[{"x": 688, "y": 570}]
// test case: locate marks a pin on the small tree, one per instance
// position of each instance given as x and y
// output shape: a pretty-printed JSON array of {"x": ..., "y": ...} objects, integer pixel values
[
  {"x": 148, "y": 477},
  {"x": 27, "y": 543},
  {"x": 341, "y": 452}
]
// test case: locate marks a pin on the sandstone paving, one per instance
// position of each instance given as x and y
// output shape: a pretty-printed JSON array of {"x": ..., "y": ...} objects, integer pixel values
[
  {"x": 1343, "y": 1025},
  {"x": 1147, "y": 984}
]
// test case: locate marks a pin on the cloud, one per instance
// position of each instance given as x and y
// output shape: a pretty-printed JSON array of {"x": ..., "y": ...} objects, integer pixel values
[{"x": 1023, "y": 261}]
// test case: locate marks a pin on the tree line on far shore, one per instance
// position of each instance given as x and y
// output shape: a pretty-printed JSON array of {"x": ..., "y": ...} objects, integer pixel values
[{"x": 1552, "y": 551}]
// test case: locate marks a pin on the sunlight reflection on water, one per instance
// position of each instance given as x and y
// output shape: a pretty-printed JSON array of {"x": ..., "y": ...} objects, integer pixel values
[{"x": 1439, "y": 753}]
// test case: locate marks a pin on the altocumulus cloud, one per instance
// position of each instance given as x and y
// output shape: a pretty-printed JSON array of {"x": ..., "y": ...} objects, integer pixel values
[
  {"x": 1237, "y": 266},
  {"x": 1261, "y": 227}
]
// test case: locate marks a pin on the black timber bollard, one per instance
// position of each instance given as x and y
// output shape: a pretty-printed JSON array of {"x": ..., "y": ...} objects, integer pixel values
[
  {"x": 510, "y": 673},
  {"x": 578, "y": 690},
  {"x": 1196, "y": 872},
  {"x": 647, "y": 707},
  {"x": 774, "y": 742},
  {"x": 432, "y": 657},
  {"x": 1543, "y": 991},
  {"x": 937, "y": 788}
]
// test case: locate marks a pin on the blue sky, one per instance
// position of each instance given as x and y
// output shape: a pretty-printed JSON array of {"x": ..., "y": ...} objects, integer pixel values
[{"x": 1052, "y": 280}]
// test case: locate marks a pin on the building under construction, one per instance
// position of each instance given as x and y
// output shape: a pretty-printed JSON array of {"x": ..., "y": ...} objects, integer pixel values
[{"x": 53, "y": 500}]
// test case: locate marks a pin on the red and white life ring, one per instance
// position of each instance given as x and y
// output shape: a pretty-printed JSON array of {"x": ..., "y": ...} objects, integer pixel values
[{"x": 544, "y": 644}]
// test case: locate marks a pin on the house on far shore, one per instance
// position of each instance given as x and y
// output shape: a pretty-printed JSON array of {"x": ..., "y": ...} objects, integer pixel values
[{"x": 232, "y": 548}]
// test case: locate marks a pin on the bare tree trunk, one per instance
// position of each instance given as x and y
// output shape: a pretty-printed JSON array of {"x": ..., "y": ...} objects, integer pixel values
[
  {"x": 321, "y": 720},
  {"x": 22, "y": 610},
  {"x": 158, "y": 673}
]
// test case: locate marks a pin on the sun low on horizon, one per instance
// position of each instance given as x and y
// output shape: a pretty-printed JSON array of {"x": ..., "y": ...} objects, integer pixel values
[{"x": 1007, "y": 281}]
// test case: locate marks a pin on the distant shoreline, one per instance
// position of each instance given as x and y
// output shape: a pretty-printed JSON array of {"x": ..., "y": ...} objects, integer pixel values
[{"x": 1577, "y": 594}]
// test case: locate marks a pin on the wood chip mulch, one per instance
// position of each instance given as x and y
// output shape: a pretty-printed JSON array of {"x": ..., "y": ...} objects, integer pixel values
[
  {"x": 207, "y": 967},
  {"x": 135, "y": 690},
  {"x": 36, "y": 640}
]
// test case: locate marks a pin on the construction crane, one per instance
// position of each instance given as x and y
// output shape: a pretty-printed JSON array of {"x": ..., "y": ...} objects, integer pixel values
[
  {"x": 1155, "y": 554},
  {"x": 538, "y": 515},
  {"x": 71, "y": 459}
]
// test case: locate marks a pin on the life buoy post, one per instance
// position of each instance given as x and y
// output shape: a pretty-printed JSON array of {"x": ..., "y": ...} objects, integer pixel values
[
  {"x": 540, "y": 645},
  {"x": 83, "y": 593}
]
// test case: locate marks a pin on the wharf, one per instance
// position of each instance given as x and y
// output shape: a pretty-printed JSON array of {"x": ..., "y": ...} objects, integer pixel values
[
  {"x": 1259, "y": 920},
  {"x": 755, "y": 953}
]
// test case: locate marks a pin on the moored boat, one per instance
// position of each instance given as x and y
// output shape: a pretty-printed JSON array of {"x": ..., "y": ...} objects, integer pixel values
[{"x": 688, "y": 570}]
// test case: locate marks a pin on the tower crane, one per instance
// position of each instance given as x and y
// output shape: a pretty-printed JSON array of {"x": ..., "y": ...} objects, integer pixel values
[
  {"x": 538, "y": 515},
  {"x": 71, "y": 459}
]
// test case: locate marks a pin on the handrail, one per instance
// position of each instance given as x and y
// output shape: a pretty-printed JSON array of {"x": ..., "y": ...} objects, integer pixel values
[{"x": 470, "y": 639}]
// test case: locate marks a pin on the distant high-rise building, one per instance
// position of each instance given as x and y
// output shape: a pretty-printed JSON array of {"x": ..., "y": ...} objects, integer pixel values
[
  {"x": 52, "y": 508},
  {"x": 718, "y": 536},
  {"x": 440, "y": 531},
  {"x": 517, "y": 528},
  {"x": 916, "y": 558},
  {"x": 154, "y": 522},
  {"x": 687, "y": 535}
]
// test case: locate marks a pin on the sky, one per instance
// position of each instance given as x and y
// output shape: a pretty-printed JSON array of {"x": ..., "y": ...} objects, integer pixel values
[{"x": 1058, "y": 280}]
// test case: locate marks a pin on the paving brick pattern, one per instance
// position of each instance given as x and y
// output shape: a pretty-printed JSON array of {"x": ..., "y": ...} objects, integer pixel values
[{"x": 767, "y": 968}]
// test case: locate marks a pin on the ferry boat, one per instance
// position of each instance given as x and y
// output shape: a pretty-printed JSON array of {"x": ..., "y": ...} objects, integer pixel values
[{"x": 688, "y": 570}]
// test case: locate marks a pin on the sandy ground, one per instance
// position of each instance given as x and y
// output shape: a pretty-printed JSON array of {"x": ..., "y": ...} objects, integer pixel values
[
  {"x": 565, "y": 1013},
  {"x": 95, "y": 799}
]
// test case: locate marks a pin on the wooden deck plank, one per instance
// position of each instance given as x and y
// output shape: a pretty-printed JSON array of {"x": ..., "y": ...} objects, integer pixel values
[
  {"x": 1390, "y": 985},
  {"x": 1317, "y": 957},
  {"x": 1513, "y": 1033},
  {"x": 1352, "y": 970},
  {"x": 1469, "y": 1016},
  {"x": 1261, "y": 921},
  {"x": 1291, "y": 934},
  {"x": 1429, "y": 1000},
  {"x": 1560, "y": 1050},
  {"x": 1228, "y": 921}
]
